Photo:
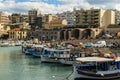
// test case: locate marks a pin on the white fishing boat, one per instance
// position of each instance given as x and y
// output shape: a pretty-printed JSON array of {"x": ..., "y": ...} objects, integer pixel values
[
  {"x": 66, "y": 61},
  {"x": 18, "y": 43},
  {"x": 96, "y": 68},
  {"x": 75, "y": 53},
  {"x": 53, "y": 55},
  {"x": 4, "y": 44}
]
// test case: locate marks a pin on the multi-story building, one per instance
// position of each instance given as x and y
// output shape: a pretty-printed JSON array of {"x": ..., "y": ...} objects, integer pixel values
[
  {"x": 4, "y": 19},
  {"x": 69, "y": 16},
  {"x": 51, "y": 22},
  {"x": 47, "y": 18},
  {"x": 32, "y": 14},
  {"x": 16, "y": 18},
  {"x": 34, "y": 17},
  {"x": 17, "y": 34},
  {"x": 25, "y": 18},
  {"x": 3, "y": 30},
  {"x": 55, "y": 24},
  {"x": 117, "y": 16},
  {"x": 94, "y": 18}
]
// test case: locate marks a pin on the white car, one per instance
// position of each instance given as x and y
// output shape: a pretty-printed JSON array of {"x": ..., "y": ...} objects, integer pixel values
[
  {"x": 107, "y": 36},
  {"x": 100, "y": 44}
]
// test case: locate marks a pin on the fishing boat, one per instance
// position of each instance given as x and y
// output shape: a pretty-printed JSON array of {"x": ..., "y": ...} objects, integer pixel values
[
  {"x": 18, "y": 43},
  {"x": 34, "y": 50},
  {"x": 27, "y": 49},
  {"x": 4, "y": 44},
  {"x": 38, "y": 49},
  {"x": 53, "y": 55},
  {"x": 69, "y": 60},
  {"x": 96, "y": 68},
  {"x": 77, "y": 52}
]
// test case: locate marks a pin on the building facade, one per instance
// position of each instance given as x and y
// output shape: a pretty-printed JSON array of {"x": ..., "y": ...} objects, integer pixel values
[
  {"x": 34, "y": 18},
  {"x": 32, "y": 15},
  {"x": 94, "y": 18},
  {"x": 4, "y": 19},
  {"x": 17, "y": 34},
  {"x": 117, "y": 16},
  {"x": 63, "y": 34},
  {"x": 69, "y": 16},
  {"x": 47, "y": 18},
  {"x": 55, "y": 24},
  {"x": 51, "y": 22},
  {"x": 70, "y": 33},
  {"x": 3, "y": 30},
  {"x": 16, "y": 18},
  {"x": 44, "y": 35}
]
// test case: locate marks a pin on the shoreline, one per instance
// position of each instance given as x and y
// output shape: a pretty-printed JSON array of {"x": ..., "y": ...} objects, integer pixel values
[{"x": 93, "y": 40}]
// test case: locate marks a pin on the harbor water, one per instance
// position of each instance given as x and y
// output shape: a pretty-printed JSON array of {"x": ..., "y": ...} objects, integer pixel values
[{"x": 14, "y": 65}]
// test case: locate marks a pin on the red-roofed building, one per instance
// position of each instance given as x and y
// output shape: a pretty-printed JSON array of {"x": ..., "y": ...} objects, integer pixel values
[
  {"x": 16, "y": 29},
  {"x": 17, "y": 33}
]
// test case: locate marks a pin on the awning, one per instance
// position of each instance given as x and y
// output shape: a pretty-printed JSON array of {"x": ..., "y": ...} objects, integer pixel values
[{"x": 94, "y": 59}]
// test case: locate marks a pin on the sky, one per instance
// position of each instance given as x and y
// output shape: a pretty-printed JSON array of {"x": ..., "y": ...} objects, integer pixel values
[{"x": 55, "y": 6}]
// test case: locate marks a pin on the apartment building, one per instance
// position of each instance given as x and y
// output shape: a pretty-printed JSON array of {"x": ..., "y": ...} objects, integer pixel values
[
  {"x": 55, "y": 24},
  {"x": 47, "y": 18},
  {"x": 16, "y": 18},
  {"x": 69, "y": 16},
  {"x": 4, "y": 19},
  {"x": 34, "y": 18},
  {"x": 117, "y": 16},
  {"x": 51, "y": 22},
  {"x": 94, "y": 18},
  {"x": 32, "y": 15}
]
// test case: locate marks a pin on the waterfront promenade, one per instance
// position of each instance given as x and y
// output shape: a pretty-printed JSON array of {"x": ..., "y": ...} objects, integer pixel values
[{"x": 94, "y": 40}]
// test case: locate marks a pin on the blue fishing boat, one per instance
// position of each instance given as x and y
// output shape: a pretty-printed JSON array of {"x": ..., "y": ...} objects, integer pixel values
[
  {"x": 96, "y": 68},
  {"x": 34, "y": 50},
  {"x": 38, "y": 49},
  {"x": 27, "y": 48}
]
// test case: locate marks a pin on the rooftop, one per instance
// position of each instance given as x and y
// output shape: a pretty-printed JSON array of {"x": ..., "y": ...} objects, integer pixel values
[{"x": 94, "y": 59}]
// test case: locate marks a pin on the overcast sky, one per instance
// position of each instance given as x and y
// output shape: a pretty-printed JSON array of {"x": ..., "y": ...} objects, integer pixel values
[{"x": 55, "y": 6}]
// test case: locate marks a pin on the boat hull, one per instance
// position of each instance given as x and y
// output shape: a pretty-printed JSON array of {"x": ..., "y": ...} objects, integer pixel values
[
  {"x": 79, "y": 74},
  {"x": 95, "y": 79},
  {"x": 36, "y": 55},
  {"x": 66, "y": 62},
  {"x": 47, "y": 59}
]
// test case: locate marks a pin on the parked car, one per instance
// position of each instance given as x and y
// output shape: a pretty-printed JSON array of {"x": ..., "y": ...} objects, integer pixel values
[
  {"x": 110, "y": 45},
  {"x": 100, "y": 44},
  {"x": 107, "y": 36},
  {"x": 88, "y": 44}
]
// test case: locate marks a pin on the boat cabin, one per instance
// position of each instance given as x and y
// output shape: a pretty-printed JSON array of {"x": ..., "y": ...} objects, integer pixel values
[{"x": 95, "y": 64}]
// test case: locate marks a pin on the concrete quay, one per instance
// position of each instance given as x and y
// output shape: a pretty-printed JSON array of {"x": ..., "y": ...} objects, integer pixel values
[{"x": 94, "y": 40}]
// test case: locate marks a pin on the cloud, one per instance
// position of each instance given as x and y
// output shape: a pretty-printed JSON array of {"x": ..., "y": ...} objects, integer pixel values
[
  {"x": 1, "y": 0},
  {"x": 49, "y": 6}
]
